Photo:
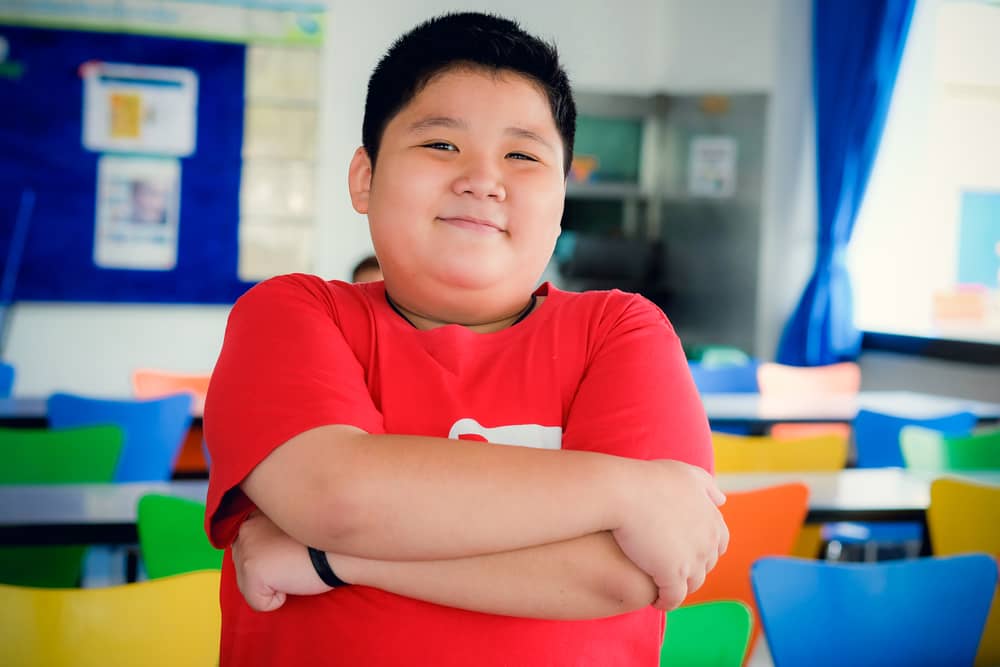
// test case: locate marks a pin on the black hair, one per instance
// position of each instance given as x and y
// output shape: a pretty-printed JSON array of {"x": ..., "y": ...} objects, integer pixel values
[
  {"x": 470, "y": 39},
  {"x": 369, "y": 262}
]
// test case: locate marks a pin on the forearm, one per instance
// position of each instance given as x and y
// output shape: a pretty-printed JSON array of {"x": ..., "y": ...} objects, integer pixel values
[
  {"x": 408, "y": 498},
  {"x": 586, "y": 577}
]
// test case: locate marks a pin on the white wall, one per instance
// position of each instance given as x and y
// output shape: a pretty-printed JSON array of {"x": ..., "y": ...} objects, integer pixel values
[{"x": 638, "y": 46}]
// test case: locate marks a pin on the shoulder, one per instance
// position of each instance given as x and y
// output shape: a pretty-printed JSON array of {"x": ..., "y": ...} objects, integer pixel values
[
  {"x": 298, "y": 291},
  {"x": 610, "y": 311}
]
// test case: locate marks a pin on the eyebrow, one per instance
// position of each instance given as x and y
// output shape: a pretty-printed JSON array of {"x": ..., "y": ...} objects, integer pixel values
[{"x": 456, "y": 124}]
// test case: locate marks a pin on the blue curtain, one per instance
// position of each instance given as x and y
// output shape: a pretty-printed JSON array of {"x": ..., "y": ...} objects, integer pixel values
[{"x": 857, "y": 46}]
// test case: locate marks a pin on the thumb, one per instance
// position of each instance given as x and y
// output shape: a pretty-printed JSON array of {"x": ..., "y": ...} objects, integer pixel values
[{"x": 265, "y": 599}]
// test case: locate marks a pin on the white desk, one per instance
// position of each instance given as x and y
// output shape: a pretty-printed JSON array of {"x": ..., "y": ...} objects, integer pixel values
[
  {"x": 760, "y": 410},
  {"x": 106, "y": 513}
]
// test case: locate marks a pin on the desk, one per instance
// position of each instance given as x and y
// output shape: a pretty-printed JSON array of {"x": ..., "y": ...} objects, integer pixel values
[
  {"x": 106, "y": 513},
  {"x": 761, "y": 411}
]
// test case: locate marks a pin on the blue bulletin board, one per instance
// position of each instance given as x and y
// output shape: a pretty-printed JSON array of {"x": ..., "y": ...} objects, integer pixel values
[{"x": 42, "y": 149}]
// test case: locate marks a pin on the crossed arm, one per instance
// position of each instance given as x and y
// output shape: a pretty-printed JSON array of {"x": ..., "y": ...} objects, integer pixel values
[{"x": 545, "y": 540}]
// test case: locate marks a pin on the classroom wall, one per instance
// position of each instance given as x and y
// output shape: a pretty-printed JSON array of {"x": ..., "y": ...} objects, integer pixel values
[{"x": 636, "y": 46}]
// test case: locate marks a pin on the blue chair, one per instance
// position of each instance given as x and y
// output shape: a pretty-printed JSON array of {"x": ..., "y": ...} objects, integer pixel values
[
  {"x": 154, "y": 429},
  {"x": 876, "y": 442},
  {"x": 6, "y": 380},
  {"x": 876, "y": 435},
  {"x": 928, "y": 611},
  {"x": 732, "y": 379}
]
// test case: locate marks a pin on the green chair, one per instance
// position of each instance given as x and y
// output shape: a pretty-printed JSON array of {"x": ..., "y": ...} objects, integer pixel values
[
  {"x": 712, "y": 634},
  {"x": 926, "y": 449},
  {"x": 172, "y": 537},
  {"x": 42, "y": 456}
]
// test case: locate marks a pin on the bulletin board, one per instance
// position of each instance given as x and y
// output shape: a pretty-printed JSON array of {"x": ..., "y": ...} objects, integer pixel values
[{"x": 182, "y": 237}]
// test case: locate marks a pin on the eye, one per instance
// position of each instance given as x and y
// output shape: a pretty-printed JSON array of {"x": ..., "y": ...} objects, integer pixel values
[
  {"x": 521, "y": 156},
  {"x": 440, "y": 146}
]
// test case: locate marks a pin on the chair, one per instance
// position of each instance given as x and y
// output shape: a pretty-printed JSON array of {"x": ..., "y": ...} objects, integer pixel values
[
  {"x": 155, "y": 383},
  {"x": 154, "y": 429},
  {"x": 40, "y": 456},
  {"x": 6, "y": 380},
  {"x": 711, "y": 634},
  {"x": 762, "y": 522},
  {"x": 965, "y": 517},
  {"x": 823, "y": 453},
  {"x": 732, "y": 379},
  {"x": 876, "y": 442},
  {"x": 796, "y": 381},
  {"x": 735, "y": 453},
  {"x": 711, "y": 356},
  {"x": 876, "y": 435},
  {"x": 167, "y": 622},
  {"x": 172, "y": 536},
  {"x": 927, "y": 611},
  {"x": 924, "y": 449}
]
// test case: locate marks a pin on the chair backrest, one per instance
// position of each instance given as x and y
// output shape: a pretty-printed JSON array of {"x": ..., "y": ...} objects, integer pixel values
[
  {"x": 173, "y": 621},
  {"x": 40, "y": 456},
  {"x": 964, "y": 517},
  {"x": 6, "y": 380},
  {"x": 154, "y": 429},
  {"x": 74, "y": 455},
  {"x": 783, "y": 380},
  {"x": 710, "y": 634},
  {"x": 155, "y": 383},
  {"x": 876, "y": 434},
  {"x": 738, "y": 453},
  {"x": 734, "y": 379},
  {"x": 925, "y": 449},
  {"x": 719, "y": 355},
  {"x": 762, "y": 522},
  {"x": 927, "y": 611},
  {"x": 172, "y": 536}
]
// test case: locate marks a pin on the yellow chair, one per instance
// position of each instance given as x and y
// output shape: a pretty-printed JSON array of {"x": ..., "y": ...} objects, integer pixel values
[
  {"x": 823, "y": 453},
  {"x": 166, "y": 622},
  {"x": 964, "y": 517},
  {"x": 739, "y": 453},
  {"x": 780, "y": 380}
]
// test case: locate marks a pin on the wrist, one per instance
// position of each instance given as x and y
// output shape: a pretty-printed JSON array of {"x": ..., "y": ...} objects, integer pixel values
[{"x": 323, "y": 568}]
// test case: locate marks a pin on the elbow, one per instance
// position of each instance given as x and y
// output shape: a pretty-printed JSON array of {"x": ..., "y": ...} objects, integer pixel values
[{"x": 630, "y": 589}]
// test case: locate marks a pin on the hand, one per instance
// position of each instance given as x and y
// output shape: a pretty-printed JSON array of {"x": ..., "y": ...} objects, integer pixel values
[
  {"x": 673, "y": 529},
  {"x": 270, "y": 565}
]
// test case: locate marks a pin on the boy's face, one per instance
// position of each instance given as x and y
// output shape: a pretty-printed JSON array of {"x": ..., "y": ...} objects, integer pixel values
[{"x": 466, "y": 199}]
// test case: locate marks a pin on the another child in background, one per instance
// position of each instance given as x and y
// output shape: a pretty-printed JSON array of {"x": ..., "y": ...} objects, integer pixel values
[
  {"x": 490, "y": 473},
  {"x": 367, "y": 270}
]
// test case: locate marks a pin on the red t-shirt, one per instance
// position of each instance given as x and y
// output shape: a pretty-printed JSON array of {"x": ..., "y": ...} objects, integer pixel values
[{"x": 600, "y": 371}]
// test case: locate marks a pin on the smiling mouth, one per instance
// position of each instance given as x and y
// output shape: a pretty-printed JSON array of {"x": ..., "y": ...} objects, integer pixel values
[{"x": 474, "y": 224}]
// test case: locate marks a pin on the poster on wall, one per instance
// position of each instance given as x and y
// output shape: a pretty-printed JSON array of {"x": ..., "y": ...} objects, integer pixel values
[
  {"x": 138, "y": 207},
  {"x": 712, "y": 167},
  {"x": 139, "y": 109}
]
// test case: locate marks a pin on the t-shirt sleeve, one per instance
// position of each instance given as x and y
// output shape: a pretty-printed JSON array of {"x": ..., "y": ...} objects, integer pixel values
[
  {"x": 637, "y": 397},
  {"x": 285, "y": 368}
]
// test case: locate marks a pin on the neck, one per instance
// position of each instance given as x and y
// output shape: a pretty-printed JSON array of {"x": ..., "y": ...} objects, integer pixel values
[{"x": 426, "y": 322}]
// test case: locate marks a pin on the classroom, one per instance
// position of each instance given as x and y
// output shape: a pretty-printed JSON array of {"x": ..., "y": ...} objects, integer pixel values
[{"x": 808, "y": 190}]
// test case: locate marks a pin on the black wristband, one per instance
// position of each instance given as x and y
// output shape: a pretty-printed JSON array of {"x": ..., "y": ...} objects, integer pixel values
[{"x": 323, "y": 569}]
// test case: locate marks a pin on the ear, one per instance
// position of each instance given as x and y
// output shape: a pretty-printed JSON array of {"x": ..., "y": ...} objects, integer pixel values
[{"x": 359, "y": 179}]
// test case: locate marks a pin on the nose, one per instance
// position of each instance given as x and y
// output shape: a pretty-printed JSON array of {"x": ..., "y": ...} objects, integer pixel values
[{"x": 481, "y": 180}]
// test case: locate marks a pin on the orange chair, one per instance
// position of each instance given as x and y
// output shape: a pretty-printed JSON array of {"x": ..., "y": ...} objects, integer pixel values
[
  {"x": 798, "y": 381},
  {"x": 762, "y": 522},
  {"x": 153, "y": 383}
]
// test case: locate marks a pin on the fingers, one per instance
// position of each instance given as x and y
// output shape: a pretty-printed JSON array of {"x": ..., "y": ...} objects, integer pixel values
[
  {"x": 672, "y": 595},
  {"x": 716, "y": 494}
]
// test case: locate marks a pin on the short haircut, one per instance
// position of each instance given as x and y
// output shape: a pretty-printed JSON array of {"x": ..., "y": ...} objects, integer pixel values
[
  {"x": 470, "y": 39},
  {"x": 368, "y": 263}
]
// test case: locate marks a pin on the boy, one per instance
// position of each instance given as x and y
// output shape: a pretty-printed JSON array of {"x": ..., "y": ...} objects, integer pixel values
[{"x": 373, "y": 422}]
